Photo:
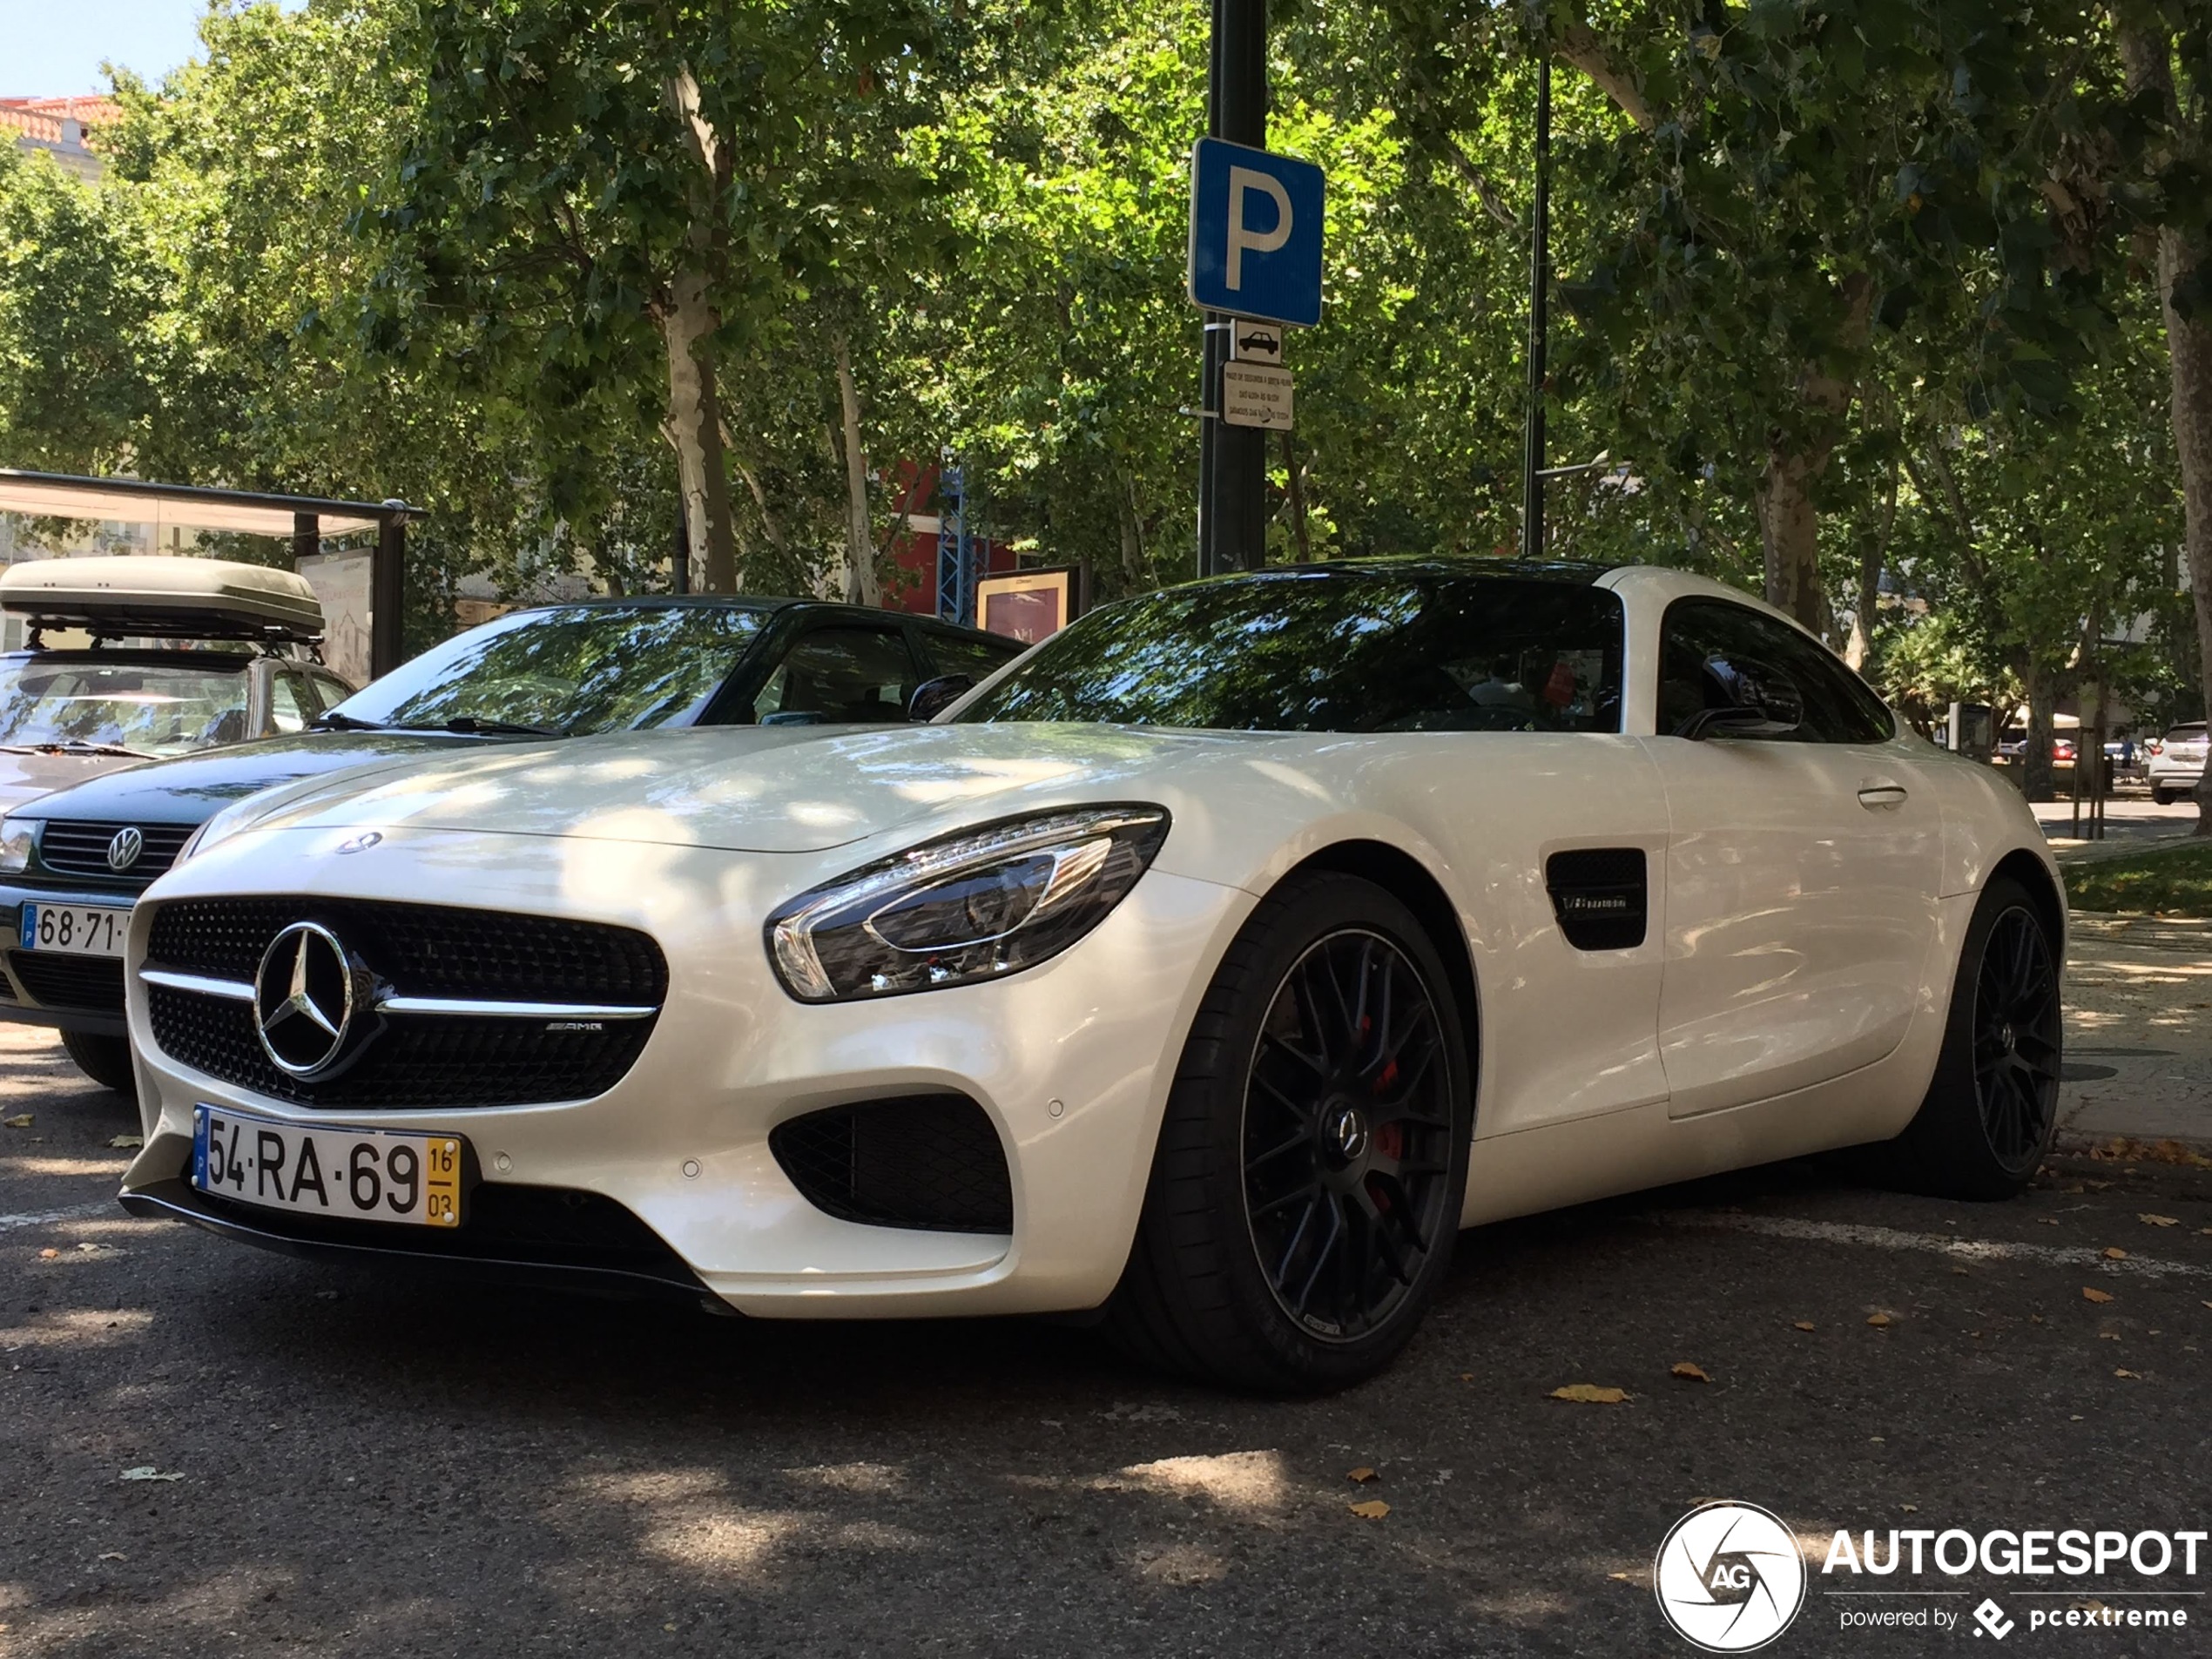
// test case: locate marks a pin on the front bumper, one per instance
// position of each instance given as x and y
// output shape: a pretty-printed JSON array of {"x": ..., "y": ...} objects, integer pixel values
[
  {"x": 1071, "y": 1060},
  {"x": 75, "y": 993}
]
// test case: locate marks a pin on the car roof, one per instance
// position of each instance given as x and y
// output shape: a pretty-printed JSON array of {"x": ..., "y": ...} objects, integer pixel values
[
  {"x": 766, "y": 604},
  {"x": 200, "y": 661},
  {"x": 1571, "y": 571}
]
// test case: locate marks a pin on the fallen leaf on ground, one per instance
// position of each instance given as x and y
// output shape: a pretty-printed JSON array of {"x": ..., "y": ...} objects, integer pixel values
[
  {"x": 1361, "y": 1475},
  {"x": 24, "y": 1120},
  {"x": 2150, "y": 1220},
  {"x": 48, "y": 1254},
  {"x": 1910, "y": 1508},
  {"x": 114, "y": 1555},
  {"x": 2132, "y": 1376},
  {"x": 1802, "y": 1325},
  {"x": 1689, "y": 1373},
  {"x": 1625, "y": 1578},
  {"x": 2088, "y": 1295},
  {"x": 124, "y": 1142},
  {"x": 2113, "y": 1253},
  {"x": 1877, "y": 1320},
  {"x": 147, "y": 1471},
  {"x": 1468, "y": 1376},
  {"x": 1374, "y": 1509},
  {"x": 1590, "y": 1394}
]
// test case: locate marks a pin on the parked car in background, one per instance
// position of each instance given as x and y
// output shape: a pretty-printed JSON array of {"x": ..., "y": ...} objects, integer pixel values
[
  {"x": 2177, "y": 762},
  {"x": 72, "y": 864},
  {"x": 235, "y": 663}
]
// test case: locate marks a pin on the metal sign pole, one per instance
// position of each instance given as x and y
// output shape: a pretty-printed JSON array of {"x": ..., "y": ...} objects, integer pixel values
[
  {"x": 1232, "y": 461},
  {"x": 1532, "y": 486}
]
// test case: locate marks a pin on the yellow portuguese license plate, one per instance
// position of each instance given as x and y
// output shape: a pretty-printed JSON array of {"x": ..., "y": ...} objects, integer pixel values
[{"x": 347, "y": 1174}]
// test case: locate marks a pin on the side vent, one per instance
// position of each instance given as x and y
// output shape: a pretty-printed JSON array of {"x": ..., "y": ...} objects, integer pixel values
[
  {"x": 929, "y": 1162},
  {"x": 1600, "y": 895}
]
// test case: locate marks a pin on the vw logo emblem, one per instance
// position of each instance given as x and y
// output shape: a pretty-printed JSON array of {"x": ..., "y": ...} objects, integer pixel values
[
  {"x": 304, "y": 1001},
  {"x": 123, "y": 852}
]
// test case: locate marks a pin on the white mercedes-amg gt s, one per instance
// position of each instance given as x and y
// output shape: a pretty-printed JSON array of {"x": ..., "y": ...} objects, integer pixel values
[{"x": 1211, "y": 965}]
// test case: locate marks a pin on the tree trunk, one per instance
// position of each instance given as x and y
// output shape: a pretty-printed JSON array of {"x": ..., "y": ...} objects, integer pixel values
[
  {"x": 2035, "y": 753},
  {"x": 1790, "y": 533},
  {"x": 2189, "y": 344},
  {"x": 860, "y": 585},
  {"x": 1871, "y": 557},
  {"x": 2148, "y": 54},
  {"x": 1132, "y": 535},
  {"x": 1295, "y": 487},
  {"x": 694, "y": 429}
]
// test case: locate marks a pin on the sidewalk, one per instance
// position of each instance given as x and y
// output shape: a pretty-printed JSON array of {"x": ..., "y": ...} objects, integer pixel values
[
  {"x": 2132, "y": 824},
  {"x": 2138, "y": 1030}
]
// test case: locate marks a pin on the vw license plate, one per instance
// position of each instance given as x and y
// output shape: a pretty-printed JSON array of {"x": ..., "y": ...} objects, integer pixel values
[
  {"x": 350, "y": 1174},
  {"x": 74, "y": 929}
]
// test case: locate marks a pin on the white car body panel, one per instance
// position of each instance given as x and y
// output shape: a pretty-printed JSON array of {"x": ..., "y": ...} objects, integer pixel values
[{"x": 1789, "y": 994}]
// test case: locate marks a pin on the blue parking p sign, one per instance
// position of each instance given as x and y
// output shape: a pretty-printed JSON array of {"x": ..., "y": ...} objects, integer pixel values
[{"x": 1254, "y": 233}]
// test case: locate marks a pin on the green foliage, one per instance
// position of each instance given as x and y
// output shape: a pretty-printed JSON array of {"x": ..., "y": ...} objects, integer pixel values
[{"x": 2175, "y": 881}]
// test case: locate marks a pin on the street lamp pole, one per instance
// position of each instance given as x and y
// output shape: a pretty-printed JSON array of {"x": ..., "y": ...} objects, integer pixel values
[
  {"x": 1532, "y": 486},
  {"x": 1232, "y": 461}
]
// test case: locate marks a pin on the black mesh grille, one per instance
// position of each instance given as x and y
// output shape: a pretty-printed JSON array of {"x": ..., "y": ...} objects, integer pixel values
[
  {"x": 930, "y": 1162},
  {"x": 416, "y": 1060},
  {"x": 1601, "y": 896},
  {"x": 92, "y": 983},
  {"x": 76, "y": 846},
  {"x": 424, "y": 950}
]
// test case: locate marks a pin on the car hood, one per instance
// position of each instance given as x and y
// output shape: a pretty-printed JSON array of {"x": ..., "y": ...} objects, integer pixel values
[
  {"x": 193, "y": 787},
  {"x": 27, "y": 777},
  {"x": 778, "y": 789}
]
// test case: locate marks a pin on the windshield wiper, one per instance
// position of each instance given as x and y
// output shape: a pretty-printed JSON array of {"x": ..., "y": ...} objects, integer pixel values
[
  {"x": 74, "y": 746},
  {"x": 469, "y": 725},
  {"x": 334, "y": 721}
]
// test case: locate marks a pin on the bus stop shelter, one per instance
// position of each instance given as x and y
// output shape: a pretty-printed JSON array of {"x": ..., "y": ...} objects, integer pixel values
[{"x": 305, "y": 520}]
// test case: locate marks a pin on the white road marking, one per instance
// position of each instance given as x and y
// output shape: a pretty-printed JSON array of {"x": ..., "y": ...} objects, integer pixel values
[
  {"x": 47, "y": 1218},
  {"x": 2086, "y": 1256}
]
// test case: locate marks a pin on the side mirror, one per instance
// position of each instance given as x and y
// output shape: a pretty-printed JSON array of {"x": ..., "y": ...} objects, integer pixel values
[
  {"x": 932, "y": 697},
  {"x": 1746, "y": 698}
]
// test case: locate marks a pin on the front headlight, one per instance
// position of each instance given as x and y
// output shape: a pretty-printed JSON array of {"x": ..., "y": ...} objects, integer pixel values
[
  {"x": 977, "y": 905},
  {"x": 17, "y": 837}
]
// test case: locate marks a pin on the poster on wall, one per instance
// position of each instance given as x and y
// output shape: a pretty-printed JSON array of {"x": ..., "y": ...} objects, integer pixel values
[{"x": 1028, "y": 605}]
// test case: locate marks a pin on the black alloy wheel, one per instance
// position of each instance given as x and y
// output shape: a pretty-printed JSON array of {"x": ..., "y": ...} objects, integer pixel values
[
  {"x": 1311, "y": 1166},
  {"x": 1992, "y": 1105},
  {"x": 2017, "y": 1040},
  {"x": 1347, "y": 1120}
]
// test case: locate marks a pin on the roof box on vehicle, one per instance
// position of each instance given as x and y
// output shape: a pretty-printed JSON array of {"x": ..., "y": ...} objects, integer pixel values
[{"x": 172, "y": 597}]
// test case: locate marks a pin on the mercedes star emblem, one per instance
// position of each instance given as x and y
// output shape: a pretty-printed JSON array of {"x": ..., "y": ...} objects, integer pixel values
[
  {"x": 303, "y": 1000},
  {"x": 123, "y": 852}
]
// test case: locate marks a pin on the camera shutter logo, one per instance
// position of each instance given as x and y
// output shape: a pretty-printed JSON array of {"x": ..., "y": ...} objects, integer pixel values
[
  {"x": 1728, "y": 1577},
  {"x": 123, "y": 850}
]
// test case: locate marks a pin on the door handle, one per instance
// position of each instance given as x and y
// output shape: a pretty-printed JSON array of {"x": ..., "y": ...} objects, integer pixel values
[{"x": 1879, "y": 797}]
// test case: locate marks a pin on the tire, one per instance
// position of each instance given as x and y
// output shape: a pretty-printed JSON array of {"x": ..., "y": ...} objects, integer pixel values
[
  {"x": 106, "y": 1060},
  {"x": 1360, "y": 1107},
  {"x": 2161, "y": 797},
  {"x": 1991, "y": 1108}
]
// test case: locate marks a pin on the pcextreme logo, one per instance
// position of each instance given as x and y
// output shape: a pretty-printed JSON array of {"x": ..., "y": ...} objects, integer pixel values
[{"x": 1728, "y": 1577}]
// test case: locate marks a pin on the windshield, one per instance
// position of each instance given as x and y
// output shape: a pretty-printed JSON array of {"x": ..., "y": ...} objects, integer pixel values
[
  {"x": 572, "y": 671},
  {"x": 1334, "y": 651},
  {"x": 148, "y": 709}
]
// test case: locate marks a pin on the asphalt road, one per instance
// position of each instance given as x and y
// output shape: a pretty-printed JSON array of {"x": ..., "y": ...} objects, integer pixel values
[{"x": 369, "y": 1466}]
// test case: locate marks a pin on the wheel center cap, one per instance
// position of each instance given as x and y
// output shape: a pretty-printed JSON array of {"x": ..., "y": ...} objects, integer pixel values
[
  {"x": 2007, "y": 1036},
  {"x": 1346, "y": 1128}
]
